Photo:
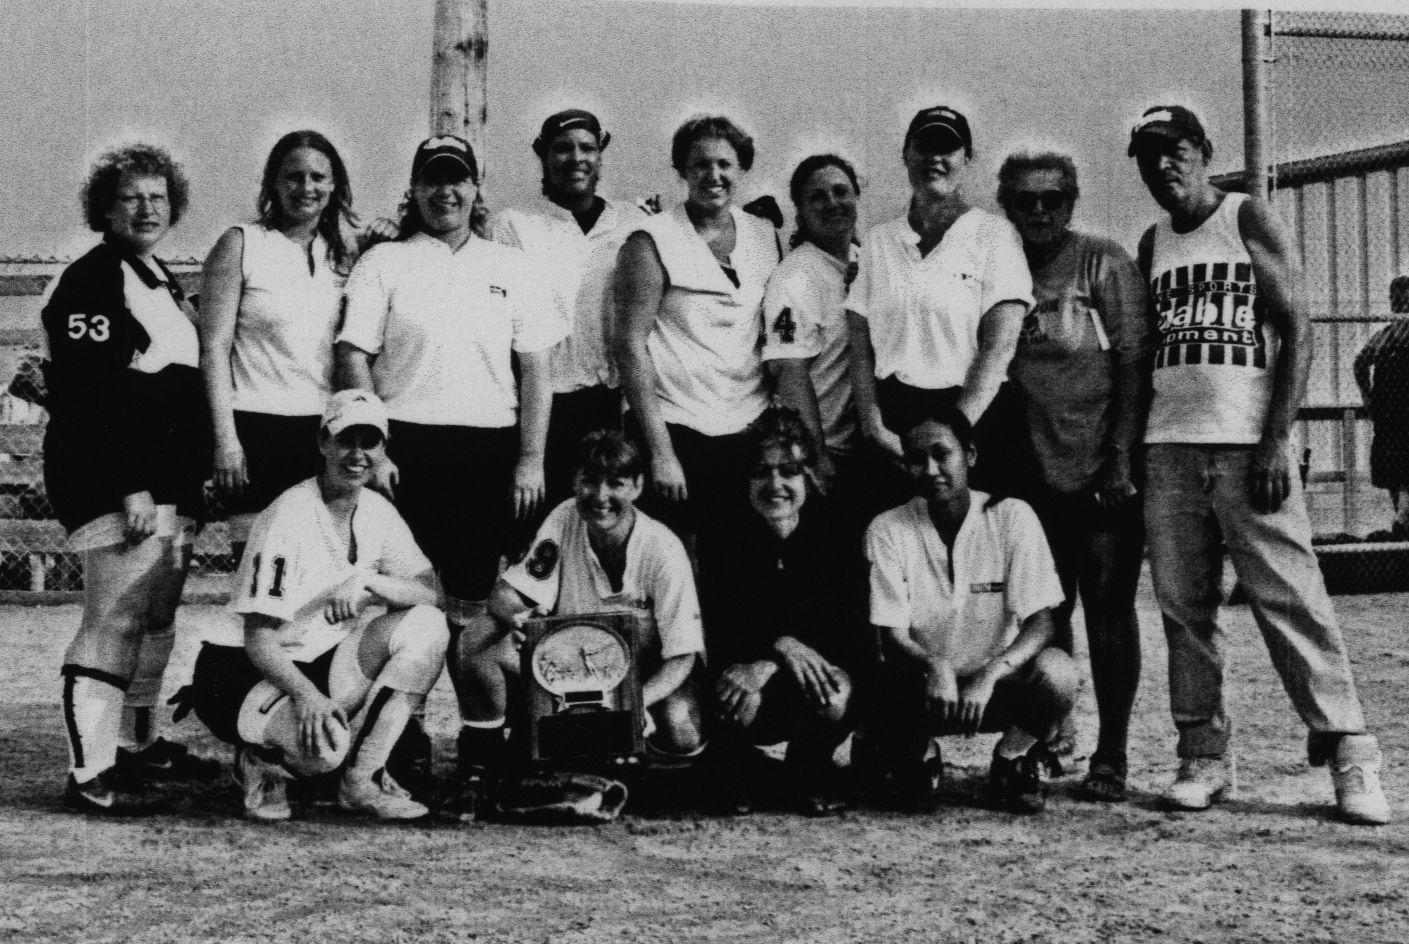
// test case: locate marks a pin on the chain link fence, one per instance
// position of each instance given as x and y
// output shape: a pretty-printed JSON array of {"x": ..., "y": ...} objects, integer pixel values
[
  {"x": 35, "y": 566},
  {"x": 1337, "y": 134}
]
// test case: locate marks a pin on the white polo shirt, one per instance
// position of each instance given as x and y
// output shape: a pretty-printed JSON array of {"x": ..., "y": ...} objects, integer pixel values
[
  {"x": 282, "y": 358},
  {"x": 580, "y": 272},
  {"x": 707, "y": 336},
  {"x": 562, "y": 574},
  {"x": 804, "y": 317},
  {"x": 924, "y": 312},
  {"x": 1003, "y": 573},
  {"x": 442, "y": 325},
  {"x": 296, "y": 558}
]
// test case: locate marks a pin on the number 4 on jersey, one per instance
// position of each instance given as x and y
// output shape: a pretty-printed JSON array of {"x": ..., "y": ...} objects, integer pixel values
[{"x": 785, "y": 326}]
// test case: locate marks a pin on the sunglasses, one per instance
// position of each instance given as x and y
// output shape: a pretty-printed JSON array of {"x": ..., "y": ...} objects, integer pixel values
[{"x": 1050, "y": 200}]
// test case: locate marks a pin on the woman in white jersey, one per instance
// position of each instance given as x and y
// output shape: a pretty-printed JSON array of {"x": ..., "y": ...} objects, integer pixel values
[
  {"x": 938, "y": 300},
  {"x": 807, "y": 344},
  {"x": 339, "y": 615},
  {"x": 269, "y": 310},
  {"x": 125, "y": 456},
  {"x": 689, "y": 296},
  {"x": 433, "y": 322},
  {"x": 574, "y": 235}
]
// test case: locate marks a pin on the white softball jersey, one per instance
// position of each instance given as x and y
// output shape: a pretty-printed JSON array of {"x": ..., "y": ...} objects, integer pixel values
[
  {"x": 282, "y": 358},
  {"x": 924, "y": 312},
  {"x": 1003, "y": 573},
  {"x": 296, "y": 558},
  {"x": 1216, "y": 351},
  {"x": 580, "y": 274},
  {"x": 707, "y": 337},
  {"x": 562, "y": 574},
  {"x": 804, "y": 317},
  {"x": 442, "y": 325}
]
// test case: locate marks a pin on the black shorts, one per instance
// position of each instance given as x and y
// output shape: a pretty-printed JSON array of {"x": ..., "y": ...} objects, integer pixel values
[
  {"x": 280, "y": 452},
  {"x": 456, "y": 494},
  {"x": 574, "y": 415},
  {"x": 223, "y": 678}
]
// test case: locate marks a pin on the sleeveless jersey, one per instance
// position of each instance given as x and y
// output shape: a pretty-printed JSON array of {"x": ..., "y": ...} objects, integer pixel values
[{"x": 1216, "y": 350}]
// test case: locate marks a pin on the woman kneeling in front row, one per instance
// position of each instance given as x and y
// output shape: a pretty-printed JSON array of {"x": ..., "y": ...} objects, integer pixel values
[
  {"x": 339, "y": 608},
  {"x": 785, "y": 631}
]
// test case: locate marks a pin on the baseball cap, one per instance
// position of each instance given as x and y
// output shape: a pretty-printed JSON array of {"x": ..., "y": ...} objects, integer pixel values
[
  {"x": 446, "y": 147},
  {"x": 348, "y": 408},
  {"x": 942, "y": 124},
  {"x": 1171, "y": 122},
  {"x": 566, "y": 120}
]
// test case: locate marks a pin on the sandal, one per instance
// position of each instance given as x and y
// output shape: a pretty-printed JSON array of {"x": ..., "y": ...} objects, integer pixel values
[{"x": 1105, "y": 781}]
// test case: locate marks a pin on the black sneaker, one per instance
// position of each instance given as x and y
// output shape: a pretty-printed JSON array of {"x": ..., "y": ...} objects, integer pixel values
[
  {"x": 473, "y": 797},
  {"x": 1017, "y": 783},
  {"x": 100, "y": 797},
  {"x": 161, "y": 760}
]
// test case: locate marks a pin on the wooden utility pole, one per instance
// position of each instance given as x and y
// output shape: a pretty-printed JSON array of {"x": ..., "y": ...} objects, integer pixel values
[
  {"x": 1257, "y": 41},
  {"x": 459, "y": 102}
]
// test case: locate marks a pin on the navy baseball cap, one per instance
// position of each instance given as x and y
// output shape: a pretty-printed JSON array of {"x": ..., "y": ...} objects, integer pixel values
[
  {"x": 942, "y": 125},
  {"x": 445, "y": 147},
  {"x": 1168, "y": 122},
  {"x": 567, "y": 120}
]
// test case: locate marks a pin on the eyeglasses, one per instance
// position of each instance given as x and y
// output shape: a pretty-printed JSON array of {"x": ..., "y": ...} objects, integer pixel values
[
  {"x": 1025, "y": 201},
  {"x": 787, "y": 470}
]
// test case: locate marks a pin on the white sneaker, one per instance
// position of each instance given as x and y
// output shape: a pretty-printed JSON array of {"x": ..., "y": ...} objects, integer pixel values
[
  {"x": 379, "y": 795},
  {"x": 1202, "y": 781},
  {"x": 1355, "y": 771},
  {"x": 265, "y": 787}
]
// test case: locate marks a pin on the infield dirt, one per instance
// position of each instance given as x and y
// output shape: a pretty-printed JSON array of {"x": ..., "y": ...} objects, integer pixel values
[{"x": 1270, "y": 866}]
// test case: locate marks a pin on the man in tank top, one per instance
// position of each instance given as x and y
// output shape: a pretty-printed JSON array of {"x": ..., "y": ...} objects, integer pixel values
[{"x": 1232, "y": 356}]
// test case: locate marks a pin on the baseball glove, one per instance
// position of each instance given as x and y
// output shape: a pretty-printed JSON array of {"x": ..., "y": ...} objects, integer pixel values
[{"x": 561, "y": 799}]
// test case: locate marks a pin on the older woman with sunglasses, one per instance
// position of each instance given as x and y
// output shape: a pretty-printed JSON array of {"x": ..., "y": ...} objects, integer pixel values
[{"x": 1077, "y": 370}]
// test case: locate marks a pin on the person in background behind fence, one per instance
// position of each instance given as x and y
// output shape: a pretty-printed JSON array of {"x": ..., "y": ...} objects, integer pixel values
[
  {"x": 1232, "y": 356},
  {"x": 1078, "y": 372},
  {"x": 125, "y": 458},
  {"x": 269, "y": 309},
  {"x": 1382, "y": 373}
]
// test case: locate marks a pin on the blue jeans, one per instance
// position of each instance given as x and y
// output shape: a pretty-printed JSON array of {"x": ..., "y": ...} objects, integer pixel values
[{"x": 1197, "y": 497}]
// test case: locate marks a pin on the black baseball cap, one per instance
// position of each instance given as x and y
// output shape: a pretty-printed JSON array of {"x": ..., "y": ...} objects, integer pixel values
[
  {"x": 1169, "y": 122},
  {"x": 445, "y": 147},
  {"x": 943, "y": 125},
  {"x": 567, "y": 120}
]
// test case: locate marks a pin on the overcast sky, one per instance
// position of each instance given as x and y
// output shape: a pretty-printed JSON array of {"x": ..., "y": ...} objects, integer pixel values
[{"x": 219, "y": 80}]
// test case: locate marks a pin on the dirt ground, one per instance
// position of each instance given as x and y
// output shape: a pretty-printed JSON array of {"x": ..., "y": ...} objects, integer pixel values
[{"x": 1269, "y": 866}]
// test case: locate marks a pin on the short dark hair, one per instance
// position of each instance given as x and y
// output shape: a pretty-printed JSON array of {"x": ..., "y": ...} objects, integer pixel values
[
  {"x": 131, "y": 160},
  {"x": 803, "y": 173},
  {"x": 701, "y": 127},
  {"x": 339, "y": 208},
  {"x": 784, "y": 426},
  {"x": 1021, "y": 162},
  {"x": 608, "y": 453},
  {"x": 952, "y": 417}
]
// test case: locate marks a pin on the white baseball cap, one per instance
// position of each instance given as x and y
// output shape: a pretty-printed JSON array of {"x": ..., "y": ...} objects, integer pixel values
[{"x": 348, "y": 408}]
